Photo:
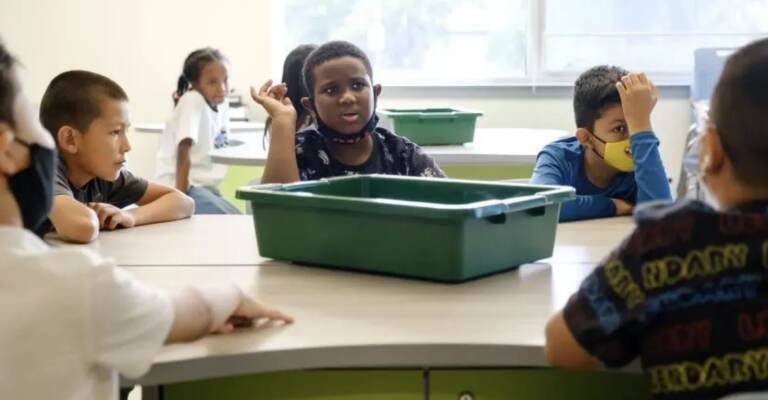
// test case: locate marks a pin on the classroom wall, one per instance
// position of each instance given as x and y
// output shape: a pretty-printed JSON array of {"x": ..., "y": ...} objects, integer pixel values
[{"x": 142, "y": 43}]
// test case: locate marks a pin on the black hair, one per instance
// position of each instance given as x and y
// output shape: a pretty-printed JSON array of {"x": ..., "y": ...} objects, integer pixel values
[
  {"x": 738, "y": 111},
  {"x": 8, "y": 89},
  {"x": 292, "y": 67},
  {"x": 331, "y": 51},
  {"x": 74, "y": 98},
  {"x": 193, "y": 67},
  {"x": 594, "y": 90}
]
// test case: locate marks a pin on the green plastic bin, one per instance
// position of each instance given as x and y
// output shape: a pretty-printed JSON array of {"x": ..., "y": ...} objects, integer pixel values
[
  {"x": 432, "y": 126},
  {"x": 437, "y": 229}
]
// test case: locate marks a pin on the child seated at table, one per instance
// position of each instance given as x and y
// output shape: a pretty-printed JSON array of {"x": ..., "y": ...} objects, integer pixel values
[
  {"x": 685, "y": 292},
  {"x": 613, "y": 161},
  {"x": 72, "y": 320},
  {"x": 345, "y": 139}
]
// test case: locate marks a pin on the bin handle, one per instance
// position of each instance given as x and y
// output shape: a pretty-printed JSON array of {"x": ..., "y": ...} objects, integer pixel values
[
  {"x": 442, "y": 115},
  {"x": 511, "y": 205}
]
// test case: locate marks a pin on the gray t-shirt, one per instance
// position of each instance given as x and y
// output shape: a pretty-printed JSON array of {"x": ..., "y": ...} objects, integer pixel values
[{"x": 127, "y": 189}]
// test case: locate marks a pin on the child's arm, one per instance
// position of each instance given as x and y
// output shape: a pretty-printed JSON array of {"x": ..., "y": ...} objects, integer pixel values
[
  {"x": 199, "y": 312},
  {"x": 638, "y": 98},
  {"x": 159, "y": 203},
  {"x": 73, "y": 220},
  {"x": 562, "y": 350},
  {"x": 129, "y": 321},
  {"x": 550, "y": 170},
  {"x": 603, "y": 322},
  {"x": 183, "y": 165},
  {"x": 281, "y": 166}
]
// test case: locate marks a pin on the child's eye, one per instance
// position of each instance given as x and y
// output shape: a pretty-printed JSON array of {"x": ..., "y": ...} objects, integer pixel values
[
  {"x": 620, "y": 129},
  {"x": 116, "y": 132},
  {"x": 329, "y": 90},
  {"x": 358, "y": 85}
]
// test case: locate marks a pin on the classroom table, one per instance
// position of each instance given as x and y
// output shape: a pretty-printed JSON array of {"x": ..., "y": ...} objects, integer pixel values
[
  {"x": 231, "y": 240},
  {"x": 386, "y": 333},
  {"x": 354, "y": 321},
  {"x": 492, "y": 146},
  {"x": 249, "y": 127}
]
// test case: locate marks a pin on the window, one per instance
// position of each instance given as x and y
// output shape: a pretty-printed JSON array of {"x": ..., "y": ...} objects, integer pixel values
[
  {"x": 510, "y": 42},
  {"x": 657, "y": 36}
]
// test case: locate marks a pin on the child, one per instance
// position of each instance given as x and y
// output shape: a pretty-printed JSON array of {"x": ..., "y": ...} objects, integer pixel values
[
  {"x": 345, "y": 140},
  {"x": 87, "y": 114},
  {"x": 292, "y": 66},
  {"x": 199, "y": 123},
  {"x": 613, "y": 161},
  {"x": 72, "y": 320},
  {"x": 685, "y": 291}
]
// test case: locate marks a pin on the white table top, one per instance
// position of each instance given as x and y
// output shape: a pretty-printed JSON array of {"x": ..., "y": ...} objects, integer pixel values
[
  {"x": 491, "y": 146},
  {"x": 234, "y": 127},
  {"x": 353, "y": 320},
  {"x": 347, "y": 319},
  {"x": 231, "y": 240},
  {"x": 199, "y": 240}
]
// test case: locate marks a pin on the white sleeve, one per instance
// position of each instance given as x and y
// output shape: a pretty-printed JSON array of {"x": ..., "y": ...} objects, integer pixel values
[
  {"x": 190, "y": 113},
  {"x": 129, "y": 321}
]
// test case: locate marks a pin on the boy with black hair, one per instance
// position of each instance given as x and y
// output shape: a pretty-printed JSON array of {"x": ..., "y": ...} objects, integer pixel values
[
  {"x": 613, "y": 161},
  {"x": 345, "y": 139},
  {"x": 87, "y": 114},
  {"x": 686, "y": 291}
]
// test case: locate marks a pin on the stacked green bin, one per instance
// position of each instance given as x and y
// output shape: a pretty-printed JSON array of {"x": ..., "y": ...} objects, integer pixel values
[
  {"x": 437, "y": 229},
  {"x": 432, "y": 126}
]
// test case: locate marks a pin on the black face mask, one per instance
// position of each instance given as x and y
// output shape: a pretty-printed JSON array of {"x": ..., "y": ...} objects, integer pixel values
[{"x": 33, "y": 187}]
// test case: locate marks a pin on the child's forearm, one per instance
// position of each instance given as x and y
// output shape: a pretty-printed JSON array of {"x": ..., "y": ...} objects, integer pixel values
[
  {"x": 198, "y": 312},
  {"x": 587, "y": 207},
  {"x": 650, "y": 175},
  {"x": 183, "y": 165},
  {"x": 168, "y": 207},
  {"x": 281, "y": 166},
  {"x": 74, "y": 221}
]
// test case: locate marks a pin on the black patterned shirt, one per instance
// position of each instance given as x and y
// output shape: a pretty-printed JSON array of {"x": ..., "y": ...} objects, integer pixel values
[
  {"x": 391, "y": 155},
  {"x": 686, "y": 293}
]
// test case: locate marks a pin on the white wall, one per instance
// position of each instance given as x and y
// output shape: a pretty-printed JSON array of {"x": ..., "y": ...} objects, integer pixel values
[{"x": 141, "y": 44}]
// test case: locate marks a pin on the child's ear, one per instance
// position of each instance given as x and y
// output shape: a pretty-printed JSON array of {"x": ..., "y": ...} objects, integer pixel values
[
  {"x": 582, "y": 134},
  {"x": 376, "y": 90},
  {"x": 6, "y": 137},
  {"x": 68, "y": 139},
  {"x": 307, "y": 103},
  {"x": 712, "y": 154}
]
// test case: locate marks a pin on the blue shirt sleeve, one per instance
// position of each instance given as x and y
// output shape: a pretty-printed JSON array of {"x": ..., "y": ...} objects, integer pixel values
[
  {"x": 552, "y": 170},
  {"x": 650, "y": 176}
]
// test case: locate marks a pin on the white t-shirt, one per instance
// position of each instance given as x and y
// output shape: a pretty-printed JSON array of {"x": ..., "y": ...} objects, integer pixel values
[
  {"x": 193, "y": 119},
  {"x": 71, "y": 321}
]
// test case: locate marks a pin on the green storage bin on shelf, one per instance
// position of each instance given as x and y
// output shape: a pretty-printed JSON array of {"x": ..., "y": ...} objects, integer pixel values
[
  {"x": 432, "y": 126},
  {"x": 438, "y": 229}
]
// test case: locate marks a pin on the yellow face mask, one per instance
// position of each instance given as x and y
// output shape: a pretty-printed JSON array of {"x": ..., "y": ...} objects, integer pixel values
[{"x": 617, "y": 154}]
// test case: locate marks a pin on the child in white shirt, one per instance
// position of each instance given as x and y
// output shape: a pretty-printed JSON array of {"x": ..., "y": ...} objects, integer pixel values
[
  {"x": 71, "y": 320},
  {"x": 199, "y": 123}
]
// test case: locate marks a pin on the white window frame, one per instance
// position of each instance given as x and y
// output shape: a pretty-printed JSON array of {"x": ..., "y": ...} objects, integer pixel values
[{"x": 536, "y": 74}]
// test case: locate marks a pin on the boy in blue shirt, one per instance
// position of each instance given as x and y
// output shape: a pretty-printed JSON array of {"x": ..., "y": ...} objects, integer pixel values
[
  {"x": 686, "y": 291},
  {"x": 613, "y": 160}
]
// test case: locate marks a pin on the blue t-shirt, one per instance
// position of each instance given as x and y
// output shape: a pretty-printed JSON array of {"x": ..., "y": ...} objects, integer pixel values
[
  {"x": 686, "y": 292},
  {"x": 562, "y": 163}
]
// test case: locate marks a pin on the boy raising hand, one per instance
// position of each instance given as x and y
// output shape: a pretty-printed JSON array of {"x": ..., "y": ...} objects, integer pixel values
[{"x": 613, "y": 161}]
